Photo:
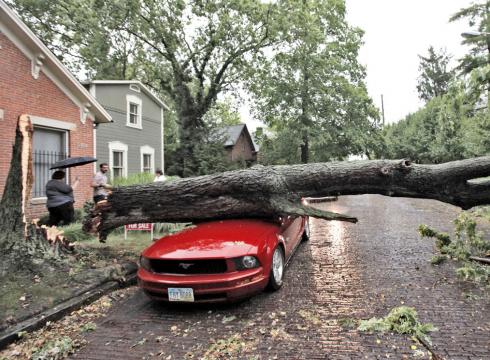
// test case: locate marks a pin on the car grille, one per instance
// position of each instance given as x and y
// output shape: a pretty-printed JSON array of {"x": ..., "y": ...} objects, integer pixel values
[{"x": 214, "y": 266}]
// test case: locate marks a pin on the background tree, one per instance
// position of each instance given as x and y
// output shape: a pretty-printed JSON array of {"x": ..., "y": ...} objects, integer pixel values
[
  {"x": 83, "y": 35},
  {"x": 312, "y": 83},
  {"x": 478, "y": 58},
  {"x": 443, "y": 130},
  {"x": 191, "y": 51},
  {"x": 434, "y": 74},
  {"x": 477, "y": 15}
]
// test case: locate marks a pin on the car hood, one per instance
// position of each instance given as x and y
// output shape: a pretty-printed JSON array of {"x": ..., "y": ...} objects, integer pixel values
[{"x": 217, "y": 239}]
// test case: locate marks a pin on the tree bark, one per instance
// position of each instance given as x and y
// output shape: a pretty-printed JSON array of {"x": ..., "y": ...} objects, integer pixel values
[
  {"x": 268, "y": 191},
  {"x": 14, "y": 229},
  {"x": 18, "y": 186}
]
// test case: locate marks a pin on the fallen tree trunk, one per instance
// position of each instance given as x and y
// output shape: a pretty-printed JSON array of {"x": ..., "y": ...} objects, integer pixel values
[{"x": 267, "y": 191}]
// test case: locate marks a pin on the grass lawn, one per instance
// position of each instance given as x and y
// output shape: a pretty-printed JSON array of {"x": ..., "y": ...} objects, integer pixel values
[{"x": 29, "y": 289}]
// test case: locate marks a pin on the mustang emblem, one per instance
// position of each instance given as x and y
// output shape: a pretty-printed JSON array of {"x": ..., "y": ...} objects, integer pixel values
[{"x": 185, "y": 266}]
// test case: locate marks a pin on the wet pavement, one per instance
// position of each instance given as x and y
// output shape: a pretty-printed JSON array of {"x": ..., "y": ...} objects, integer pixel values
[{"x": 345, "y": 272}]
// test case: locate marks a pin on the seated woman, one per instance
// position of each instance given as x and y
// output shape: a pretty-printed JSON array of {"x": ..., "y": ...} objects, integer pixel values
[{"x": 60, "y": 199}]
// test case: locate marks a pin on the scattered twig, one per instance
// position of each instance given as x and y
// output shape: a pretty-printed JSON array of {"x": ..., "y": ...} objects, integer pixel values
[{"x": 480, "y": 259}]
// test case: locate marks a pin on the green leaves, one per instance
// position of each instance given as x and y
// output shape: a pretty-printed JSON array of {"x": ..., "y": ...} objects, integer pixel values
[
  {"x": 310, "y": 85},
  {"x": 434, "y": 75},
  {"x": 401, "y": 320}
]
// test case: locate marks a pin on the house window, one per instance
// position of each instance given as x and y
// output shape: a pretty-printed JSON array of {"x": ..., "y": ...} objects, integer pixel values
[
  {"x": 118, "y": 159},
  {"x": 147, "y": 163},
  {"x": 133, "y": 114},
  {"x": 117, "y": 164},
  {"x": 134, "y": 111},
  {"x": 48, "y": 147},
  {"x": 147, "y": 159}
]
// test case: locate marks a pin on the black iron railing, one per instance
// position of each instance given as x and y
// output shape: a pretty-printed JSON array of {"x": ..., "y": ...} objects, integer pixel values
[{"x": 41, "y": 162}]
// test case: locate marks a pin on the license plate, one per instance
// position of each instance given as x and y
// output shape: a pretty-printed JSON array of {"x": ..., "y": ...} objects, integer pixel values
[{"x": 180, "y": 294}]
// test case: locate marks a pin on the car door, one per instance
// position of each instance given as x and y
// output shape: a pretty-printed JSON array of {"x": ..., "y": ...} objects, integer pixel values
[{"x": 291, "y": 227}]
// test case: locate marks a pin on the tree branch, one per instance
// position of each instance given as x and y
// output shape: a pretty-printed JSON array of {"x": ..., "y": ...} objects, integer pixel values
[{"x": 267, "y": 191}]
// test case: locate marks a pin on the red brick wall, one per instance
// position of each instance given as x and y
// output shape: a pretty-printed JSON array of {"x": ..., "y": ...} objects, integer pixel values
[{"x": 20, "y": 94}]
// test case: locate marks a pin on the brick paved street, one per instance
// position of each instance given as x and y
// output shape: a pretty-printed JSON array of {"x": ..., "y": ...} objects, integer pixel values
[{"x": 346, "y": 271}]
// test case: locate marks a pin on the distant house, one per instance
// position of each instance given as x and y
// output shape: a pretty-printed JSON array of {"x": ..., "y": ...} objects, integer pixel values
[
  {"x": 239, "y": 143},
  {"x": 34, "y": 82},
  {"x": 133, "y": 143}
]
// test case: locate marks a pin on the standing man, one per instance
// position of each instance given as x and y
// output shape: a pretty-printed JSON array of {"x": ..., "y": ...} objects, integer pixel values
[{"x": 100, "y": 185}]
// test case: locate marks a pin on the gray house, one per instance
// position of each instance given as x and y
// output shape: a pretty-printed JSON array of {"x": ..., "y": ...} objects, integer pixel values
[{"x": 133, "y": 142}]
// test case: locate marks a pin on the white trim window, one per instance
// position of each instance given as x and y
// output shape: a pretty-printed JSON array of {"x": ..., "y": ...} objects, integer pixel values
[
  {"x": 118, "y": 159},
  {"x": 147, "y": 159},
  {"x": 49, "y": 145},
  {"x": 134, "y": 108}
]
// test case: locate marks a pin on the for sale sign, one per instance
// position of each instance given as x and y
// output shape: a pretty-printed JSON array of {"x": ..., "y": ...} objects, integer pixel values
[{"x": 140, "y": 227}]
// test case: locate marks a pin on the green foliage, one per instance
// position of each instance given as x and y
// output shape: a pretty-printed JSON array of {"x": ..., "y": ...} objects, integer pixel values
[
  {"x": 134, "y": 179},
  {"x": 477, "y": 14},
  {"x": 474, "y": 272},
  {"x": 434, "y": 75},
  {"x": 223, "y": 113},
  {"x": 77, "y": 35},
  {"x": 90, "y": 326},
  {"x": 468, "y": 242},
  {"x": 74, "y": 232},
  {"x": 54, "y": 350},
  {"x": 280, "y": 147},
  {"x": 426, "y": 231},
  {"x": 438, "y": 259},
  {"x": 347, "y": 323},
  {"x": 447, "y": 128},
  {"x": 401, "y": 320},
  {"x": 311, "y": 90},
  {"x": 189, "y": 52}
]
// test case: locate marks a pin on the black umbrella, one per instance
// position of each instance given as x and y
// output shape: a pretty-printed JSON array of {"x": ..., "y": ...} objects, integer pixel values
[{"x": 73, "y": 161}]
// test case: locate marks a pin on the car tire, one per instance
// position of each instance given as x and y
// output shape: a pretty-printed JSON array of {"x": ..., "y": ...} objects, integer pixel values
[
  {"x": 277, "y": 269},
  {"x": 306, "y": 231}
]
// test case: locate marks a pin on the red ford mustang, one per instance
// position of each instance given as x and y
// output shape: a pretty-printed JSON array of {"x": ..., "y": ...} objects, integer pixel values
[{"x": 221, "y": 260}]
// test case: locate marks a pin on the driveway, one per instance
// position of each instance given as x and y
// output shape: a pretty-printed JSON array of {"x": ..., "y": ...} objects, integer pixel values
[{"x": 345, "y": 272}]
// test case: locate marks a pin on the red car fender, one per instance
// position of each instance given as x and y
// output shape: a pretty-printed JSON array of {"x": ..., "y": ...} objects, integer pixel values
[{"x": 273, "y": 240}]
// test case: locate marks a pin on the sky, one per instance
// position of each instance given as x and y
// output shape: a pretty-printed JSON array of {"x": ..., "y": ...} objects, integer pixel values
[{"x": 396, "y": 32}]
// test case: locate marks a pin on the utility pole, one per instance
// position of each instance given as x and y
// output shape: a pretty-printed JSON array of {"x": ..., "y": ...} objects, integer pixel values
[{"x": 383, "y": 110}]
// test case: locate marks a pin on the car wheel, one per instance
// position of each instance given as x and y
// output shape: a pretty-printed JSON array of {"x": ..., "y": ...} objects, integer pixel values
[
  {"x": 277, "y": 269},
  {"x": 306, "y": 231}
]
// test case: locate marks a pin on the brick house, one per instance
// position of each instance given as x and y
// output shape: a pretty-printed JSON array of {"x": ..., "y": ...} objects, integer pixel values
[
  {"x": 35, "y": 83},
  {"x": 239, "y": 144}
]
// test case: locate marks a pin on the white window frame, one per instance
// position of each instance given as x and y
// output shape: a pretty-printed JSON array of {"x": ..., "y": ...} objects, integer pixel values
[
  {"x": 118, "y": 146},
  {"x": 64, "y": 128},
  {"x": 133, "y": 99},
  {"x": 147, "y": 150}
]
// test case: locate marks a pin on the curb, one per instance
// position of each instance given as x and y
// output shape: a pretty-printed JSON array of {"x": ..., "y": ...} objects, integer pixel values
[{"x": 85, "y": 297}]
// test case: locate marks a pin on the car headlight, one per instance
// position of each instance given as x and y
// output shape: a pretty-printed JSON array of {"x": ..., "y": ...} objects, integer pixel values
[
  {"x": 246, "y": 262},
  {"x": 145, "y": 263}
]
